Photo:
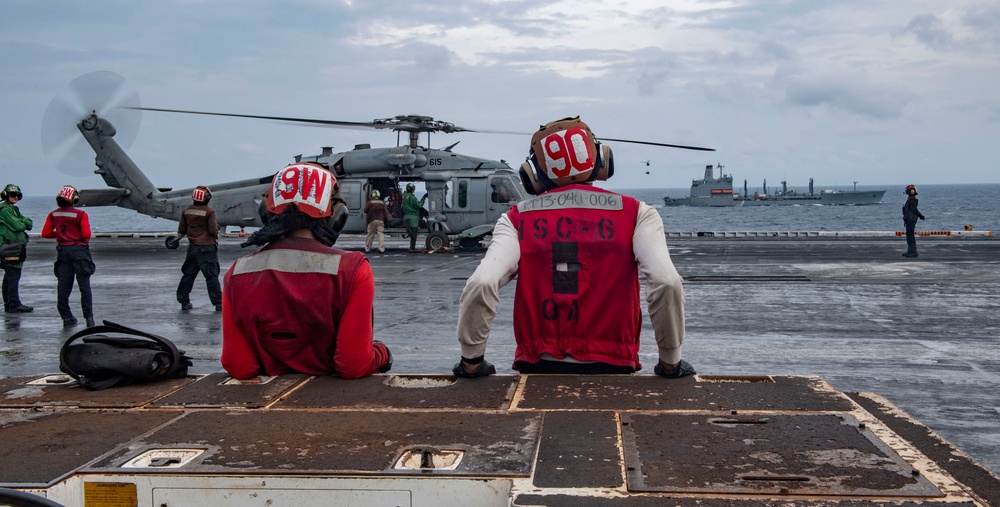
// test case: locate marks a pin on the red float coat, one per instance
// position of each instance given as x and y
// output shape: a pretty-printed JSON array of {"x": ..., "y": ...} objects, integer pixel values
[
  {"x": 297, "y": 305},
  {"x": 70, "y": 226},
  {"x": 578, "y": 281}
]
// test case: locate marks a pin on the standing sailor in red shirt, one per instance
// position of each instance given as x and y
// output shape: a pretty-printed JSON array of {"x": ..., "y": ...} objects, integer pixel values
[
  {"x": 70, "y": 226},
  {"x": 298, "y": 304},
  {"x": 577, "y": 252}
]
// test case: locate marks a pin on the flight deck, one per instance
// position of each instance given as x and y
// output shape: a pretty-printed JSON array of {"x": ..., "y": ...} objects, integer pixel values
[{"x": 831, "y": 371}]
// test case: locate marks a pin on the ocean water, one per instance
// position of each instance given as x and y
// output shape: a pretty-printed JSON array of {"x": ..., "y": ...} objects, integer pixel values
[{"x": 947, "y": 207}]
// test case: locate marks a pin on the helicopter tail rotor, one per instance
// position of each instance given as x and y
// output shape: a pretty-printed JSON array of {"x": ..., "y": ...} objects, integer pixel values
[{"x": 103, "y": 92}]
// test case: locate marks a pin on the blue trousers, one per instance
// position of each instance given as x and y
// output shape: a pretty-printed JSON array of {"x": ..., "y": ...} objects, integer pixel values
[
  {"x": 74, "y": 262},
  {"x": 911, "y": 238},
  {"x": 202, "y": 259}
]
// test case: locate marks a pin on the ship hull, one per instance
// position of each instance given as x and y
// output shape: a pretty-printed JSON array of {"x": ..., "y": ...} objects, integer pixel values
[{"x": 833, "y": 198}]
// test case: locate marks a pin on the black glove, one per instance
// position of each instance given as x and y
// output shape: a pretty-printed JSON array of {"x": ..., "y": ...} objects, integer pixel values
[
  {"x": 388, "y": 363},
  {"x": 684, "y": 369},
  {"x": 484, "y": 369}
]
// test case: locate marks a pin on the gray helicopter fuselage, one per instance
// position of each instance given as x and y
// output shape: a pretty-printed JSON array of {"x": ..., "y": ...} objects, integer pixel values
[{"x": 462, "y": 198}]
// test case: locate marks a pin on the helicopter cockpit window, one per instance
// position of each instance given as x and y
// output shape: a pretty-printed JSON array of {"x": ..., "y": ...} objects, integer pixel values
[
  {"x": 503, "y": 190},
  {"x": 449, "y": 195},
  {"x": 463, "y": 194}
]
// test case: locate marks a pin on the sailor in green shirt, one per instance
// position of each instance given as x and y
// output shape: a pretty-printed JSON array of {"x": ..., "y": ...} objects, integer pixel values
[
  {"x": 411, "y": 214},
  {"x": 13, "y": 229}
]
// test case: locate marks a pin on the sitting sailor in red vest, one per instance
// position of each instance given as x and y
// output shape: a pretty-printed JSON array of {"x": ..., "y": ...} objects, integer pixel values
[
  {"x": 298, "y": 304},
  {"x": 577, "y": 251}
]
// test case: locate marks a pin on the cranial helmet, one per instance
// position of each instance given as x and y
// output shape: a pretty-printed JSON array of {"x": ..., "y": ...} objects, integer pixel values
[
  {"x": 302, "y": 196},
  {"x": 10, "y": 190},
  {"x": 68, "y": 194},
  {"x": 201, "y": 194},
  {"x": 565, "y": 152},
  {"x": 410, "y": 187},
  {"x": 375, "y": 194},
  {"x": 305, "y": 186},
  {"x": 911, "y": 190}
]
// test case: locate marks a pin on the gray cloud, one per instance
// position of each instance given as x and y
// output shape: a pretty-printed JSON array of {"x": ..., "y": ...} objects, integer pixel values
[
  {"x": 930, "y": 31},
  {"x": 845, "y": 92}
]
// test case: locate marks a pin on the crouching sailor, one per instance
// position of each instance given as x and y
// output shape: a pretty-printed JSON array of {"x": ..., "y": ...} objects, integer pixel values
[
  {"x": 298, "y": 304},
  {"x": 577, "y": 252}
]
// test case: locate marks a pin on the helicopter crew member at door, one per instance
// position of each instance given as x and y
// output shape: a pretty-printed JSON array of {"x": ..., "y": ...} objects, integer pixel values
[
  {"x": 577, "y": 252},
  {"x": 377, "y": 215},
  {"x": 70, "y": 226},
  {"x": 411, "y": 214},
  {"x": 199, "y": 224},
  {"x": 298, "y": 304}
]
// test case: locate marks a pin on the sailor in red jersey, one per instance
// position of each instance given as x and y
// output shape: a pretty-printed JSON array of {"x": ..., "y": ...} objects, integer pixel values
[
  {"x": 70, "y": 226},
  {"x": 577, "y": 252},
  {"x": 298, "y": 304}
]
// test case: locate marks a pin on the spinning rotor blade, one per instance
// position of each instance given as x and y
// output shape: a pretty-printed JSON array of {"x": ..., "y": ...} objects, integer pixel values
[
  {"x": 101, "y": 91},
  {"x": 405, "y": 123},
  {"x": 328, "y": 123},
  {"x": 656, "y": 144}
]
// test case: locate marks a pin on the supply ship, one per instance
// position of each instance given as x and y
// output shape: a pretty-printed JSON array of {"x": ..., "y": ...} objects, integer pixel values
[{"x": 712, "y": 191}]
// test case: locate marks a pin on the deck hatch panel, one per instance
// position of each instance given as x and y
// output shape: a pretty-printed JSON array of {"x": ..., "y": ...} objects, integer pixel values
[
  {"x": 649, "y": 392},
  {"x": 211, "y": 391},
  {"x": 19, "y": 392},
  {"x": 808, "y": 454},
  {"x": 379, "y": 391},
  {"x": 40, "y": 447},
  {"x": 343, "y": 442}
]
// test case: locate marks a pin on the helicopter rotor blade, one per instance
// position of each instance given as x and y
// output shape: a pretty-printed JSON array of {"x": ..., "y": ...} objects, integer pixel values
[
  {"x": 104, "y": 92},
  {"x": 328, "y": 123},
  {"x": 656, "y": 144},
  {"x": 405, "y": 123}
]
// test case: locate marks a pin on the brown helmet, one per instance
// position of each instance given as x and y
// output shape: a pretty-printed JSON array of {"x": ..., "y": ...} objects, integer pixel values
[{"x": 564, "y": 152}]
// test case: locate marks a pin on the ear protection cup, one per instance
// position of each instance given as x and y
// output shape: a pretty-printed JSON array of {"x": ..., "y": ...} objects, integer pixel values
[
  {"x": 534, "y": 182},
  {"x": 605, "y": 164}
]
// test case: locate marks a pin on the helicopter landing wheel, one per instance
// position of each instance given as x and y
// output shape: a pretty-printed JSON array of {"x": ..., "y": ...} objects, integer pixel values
[
  {"x": 437, "y": 240},
  {"x": 172, "y": 242}
]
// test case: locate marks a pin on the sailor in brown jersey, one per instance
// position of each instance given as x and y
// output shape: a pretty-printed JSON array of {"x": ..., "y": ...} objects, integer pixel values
[{"x": 199, "y": 224}]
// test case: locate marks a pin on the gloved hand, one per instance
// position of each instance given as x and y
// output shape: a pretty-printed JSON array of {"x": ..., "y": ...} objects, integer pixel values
[
  {"x": 483, "y": 369},
  {"x": 684, "y": 369},
  {"x": 388, "y": 363}
]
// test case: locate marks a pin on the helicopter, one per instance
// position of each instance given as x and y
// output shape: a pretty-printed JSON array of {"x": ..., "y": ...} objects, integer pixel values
[{"x": 465, "y": 195}]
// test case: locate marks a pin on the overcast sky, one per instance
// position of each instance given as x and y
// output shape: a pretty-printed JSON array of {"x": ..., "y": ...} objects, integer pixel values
[{"x": 879, "y": 92}]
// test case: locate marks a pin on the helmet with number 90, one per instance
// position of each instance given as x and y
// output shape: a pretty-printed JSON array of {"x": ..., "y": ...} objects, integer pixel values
[{"x": 564, "y": 152}]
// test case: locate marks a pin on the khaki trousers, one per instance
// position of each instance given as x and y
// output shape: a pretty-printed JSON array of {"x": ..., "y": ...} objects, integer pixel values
[{"x": 375, "y": 227}]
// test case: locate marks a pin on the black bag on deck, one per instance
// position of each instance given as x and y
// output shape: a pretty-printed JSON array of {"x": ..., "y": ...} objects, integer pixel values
[
  {"x": 100, "y": 361},
  {"x": 12, "y": 253}
]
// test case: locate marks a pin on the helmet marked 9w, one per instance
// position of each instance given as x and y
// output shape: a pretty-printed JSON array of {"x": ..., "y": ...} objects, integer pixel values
[
  {"x": 564, "y": 152},
  {"x": 69, "y": 194},
  {"x": 307, "y": 186}
]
